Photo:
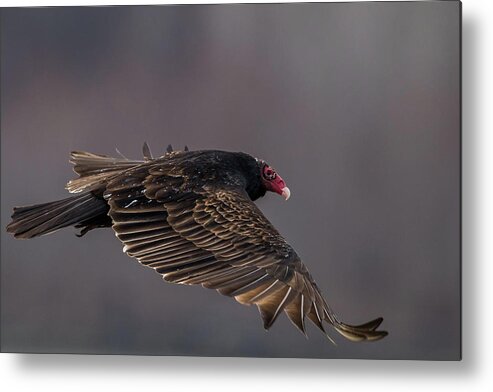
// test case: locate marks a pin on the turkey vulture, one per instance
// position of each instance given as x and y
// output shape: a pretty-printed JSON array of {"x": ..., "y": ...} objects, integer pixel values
[{"x": 190, "y": 216}]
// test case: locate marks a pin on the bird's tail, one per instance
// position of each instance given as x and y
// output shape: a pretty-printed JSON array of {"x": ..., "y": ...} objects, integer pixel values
[{"x": 80, "y": 210}]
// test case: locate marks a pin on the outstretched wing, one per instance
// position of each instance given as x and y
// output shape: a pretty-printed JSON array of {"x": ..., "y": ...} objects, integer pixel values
[{"x": 218, "y": 238}]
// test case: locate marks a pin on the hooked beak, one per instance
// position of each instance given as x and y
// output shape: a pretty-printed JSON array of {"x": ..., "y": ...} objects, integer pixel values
[
  {"x": 286, "y": 193},
  {"x": 277, "y": 185}
]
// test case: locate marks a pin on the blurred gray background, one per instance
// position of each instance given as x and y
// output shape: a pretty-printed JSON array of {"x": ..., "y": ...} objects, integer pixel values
[{"x": 356, "y": 105}]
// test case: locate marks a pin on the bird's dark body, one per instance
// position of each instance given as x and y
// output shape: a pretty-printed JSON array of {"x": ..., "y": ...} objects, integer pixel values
[
  {"x": 190, "y": 216},
  {"x": 199, "y": 169}
]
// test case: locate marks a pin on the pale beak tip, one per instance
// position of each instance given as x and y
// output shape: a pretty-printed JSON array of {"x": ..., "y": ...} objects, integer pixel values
[{"x": 286, "y": 193}]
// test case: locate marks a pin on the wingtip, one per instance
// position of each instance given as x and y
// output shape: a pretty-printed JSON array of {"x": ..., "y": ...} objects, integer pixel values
[
  {"x": 370, "y": 325},
  {"x": 363, "y": 332},
  {"x": 330, "y": 339},
  {"x": 268, "y": 323}
]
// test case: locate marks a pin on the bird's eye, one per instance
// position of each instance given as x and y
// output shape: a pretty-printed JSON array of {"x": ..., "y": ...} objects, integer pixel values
[{"x": 269, "y": 174}]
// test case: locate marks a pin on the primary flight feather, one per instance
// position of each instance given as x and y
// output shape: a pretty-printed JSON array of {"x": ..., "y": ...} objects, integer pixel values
[{"x": 191, "y": 216}]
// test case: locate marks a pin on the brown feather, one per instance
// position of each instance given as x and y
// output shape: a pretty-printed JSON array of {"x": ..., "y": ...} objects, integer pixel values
[{"x": 220, "y": 240}]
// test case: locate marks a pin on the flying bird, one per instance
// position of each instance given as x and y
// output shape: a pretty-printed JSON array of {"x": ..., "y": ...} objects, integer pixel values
[{"x": 191, "y": 216}]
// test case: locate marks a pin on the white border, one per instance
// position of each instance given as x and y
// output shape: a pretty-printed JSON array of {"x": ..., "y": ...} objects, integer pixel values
[
  {"x": 474, "y": 373},
  {"x": 42, "y": 3}
]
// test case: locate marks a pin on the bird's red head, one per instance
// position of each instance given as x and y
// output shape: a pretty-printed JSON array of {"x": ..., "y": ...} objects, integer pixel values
[{"x": 273, "y": 181}]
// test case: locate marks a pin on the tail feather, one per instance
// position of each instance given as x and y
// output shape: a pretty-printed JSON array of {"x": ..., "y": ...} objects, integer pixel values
[
  {"x": 41, "y": 219},
  {"x": 95, "y": 169}
]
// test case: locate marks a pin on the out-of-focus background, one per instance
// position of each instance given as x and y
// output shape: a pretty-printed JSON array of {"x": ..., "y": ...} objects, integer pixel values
[{"x": 356, "y": 105}]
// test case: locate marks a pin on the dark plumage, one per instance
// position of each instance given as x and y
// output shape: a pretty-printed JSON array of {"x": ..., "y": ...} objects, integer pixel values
[{"x": 190, "y": 216}]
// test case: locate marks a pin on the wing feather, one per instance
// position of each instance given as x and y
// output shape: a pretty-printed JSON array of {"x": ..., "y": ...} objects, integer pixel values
[{"x": 217, "y": 238}]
